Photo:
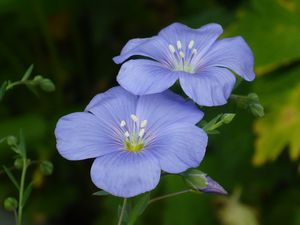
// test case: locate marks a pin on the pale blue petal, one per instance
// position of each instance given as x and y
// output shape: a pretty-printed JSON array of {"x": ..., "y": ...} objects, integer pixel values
[
  {"x": 154, "y": 47},
  {"x": 113, "y": 106},
  {"x": 232, "y": 53},
  {"x": 145, "y": 77},
  {"x": 209, "y": 87},
  {"x": 179, "y": 146},
  {"x": 81, "y": 136},
  {"x": 203, "y": 37},
  {"x": 126, "y": 174},
  {"x": 166, "y": 108}
]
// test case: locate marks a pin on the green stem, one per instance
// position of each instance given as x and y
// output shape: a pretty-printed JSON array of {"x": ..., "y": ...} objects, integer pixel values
[
  {"x": 170, "y": 195},
  {"x": 10, "y": 86},
  {"x": 122, "y": 211},
  {"x": 21, "y": 193}
]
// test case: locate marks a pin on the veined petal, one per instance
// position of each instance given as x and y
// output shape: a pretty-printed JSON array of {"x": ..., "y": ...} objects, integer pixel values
[
  {"x": 232, "y": 53},
  {"x": 179, "y": 146},
  {"x": 126, "y": 174},
  {"x": 81, "y": 136},
  {"x": 209, "y": 87},
  {"x": 113, "y": 106},
  {"x": 145, "y": 77},
  {"x": 153, "y": 47},
  {"x": 203, "y": 37},
  {"x": 166, "y": 108}
]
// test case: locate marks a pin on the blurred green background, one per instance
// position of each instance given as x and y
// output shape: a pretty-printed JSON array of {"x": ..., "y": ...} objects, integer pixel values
[{"x": 73, "y": 42}]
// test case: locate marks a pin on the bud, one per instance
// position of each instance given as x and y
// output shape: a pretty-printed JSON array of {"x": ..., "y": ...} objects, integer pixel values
[
  {"x": 227, "y": 117},
  {"x": 200, "y": 181},
  {"x": 44, "y": 83},
  {"x": 46, "y": 167},
  {"x": 12, "y": 140},
  {"x": 47, "y": 85},
  {"x": 10, "y": 204},
  {"x": 18, "y": 163},
  {"x": 257, "y": 109}
]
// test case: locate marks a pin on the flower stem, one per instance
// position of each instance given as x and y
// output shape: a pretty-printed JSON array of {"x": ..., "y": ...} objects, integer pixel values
[
  {"x": 21, "y": 192},
  {"x": 169, "y": 195},
  {"x": 122, "y": 211}
]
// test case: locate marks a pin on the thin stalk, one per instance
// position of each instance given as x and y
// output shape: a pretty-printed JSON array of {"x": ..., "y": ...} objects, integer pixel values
[
  {"x": 21, "y": 193},
  {"x": 169, "y": 195},
  {"x": 122, "y": 211}
]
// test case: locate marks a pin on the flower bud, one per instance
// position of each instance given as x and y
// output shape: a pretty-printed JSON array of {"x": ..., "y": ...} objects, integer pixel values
[
  {"x": 18, "y": 163},
  {"x": 199, "y": 181},
  {"x": 10, "y": 204},
  {"x": 47, "y": 85},
  {"x": 227, "y": 117},
  {"x": 46, "y": 167},
  {"x": 257, "y": 109},
  {"x": 12, "y": 140}
]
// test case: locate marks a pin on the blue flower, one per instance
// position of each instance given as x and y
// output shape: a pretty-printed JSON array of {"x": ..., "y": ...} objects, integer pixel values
[
  {"x": 202, "y": 63},
  {"x": 133, "y": 138}
]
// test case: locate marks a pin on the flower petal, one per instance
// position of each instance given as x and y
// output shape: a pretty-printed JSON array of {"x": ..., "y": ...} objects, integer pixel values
[
  {"x": 203, "y": 37},
  {"x": 145, "y": 77},
  {"x": 81, "y": 136},
  {"x": 154, "y": 47},
  {"x": 166, "y": 108},
  {"x": 126, "y": 174},
  {"x": 113, "y": 106},
  {"x": 210, "y": 87},
  {"x": 179, "y": 146},
  {"x": 232, "y": 53}
]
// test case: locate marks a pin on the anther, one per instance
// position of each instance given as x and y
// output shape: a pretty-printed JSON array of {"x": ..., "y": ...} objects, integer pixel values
[
  {"x": 134, "y": 117},
  {"x": 123, "y": 123},
  {"x": 191, "y": 44},
  {"x": 194, "y": 51},
  {"x": 172, "y": 49},
  {"x": 179, "y": 46},
  {"x": 141, "y": 133},
  {"x": 126, "y": 134},
  {"x": 144, "y": 123},
  {"x": 181, "y": 54}
]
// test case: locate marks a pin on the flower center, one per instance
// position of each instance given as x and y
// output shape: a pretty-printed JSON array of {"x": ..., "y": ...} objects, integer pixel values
[
  {"x": 134, "y": 135},
  {"x": 183, "y": 59}
]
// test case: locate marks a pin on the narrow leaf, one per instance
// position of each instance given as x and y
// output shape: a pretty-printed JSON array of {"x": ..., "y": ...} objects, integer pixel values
[
  {"x": 138, "y": 208},
  {"x": 22, "y": 145},
  {"x": 27, "y": 193},
  {"x": 27, "y": 73},
  {"x": 11, "y": 177}
]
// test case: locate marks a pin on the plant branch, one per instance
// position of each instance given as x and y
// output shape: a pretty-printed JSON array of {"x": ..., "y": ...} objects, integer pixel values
[{"x": 169, "y": 195}]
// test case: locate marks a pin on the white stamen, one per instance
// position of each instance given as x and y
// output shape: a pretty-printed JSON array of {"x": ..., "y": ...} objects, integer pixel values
[
  {"x": 126, "y": 134},
  {"x": 134, "y": 118},
  {"x": 179, "y": 44},
  {"x": 191, "y": 44},
  {"x": 172, "y": 49},
  {"x": 144, "y": 123},
  {"x": 194, "y": 51},
  {"x": 141, "y": 133},
  {"x": 123, "y": 123},
  {"x": 181, "y": 54}
]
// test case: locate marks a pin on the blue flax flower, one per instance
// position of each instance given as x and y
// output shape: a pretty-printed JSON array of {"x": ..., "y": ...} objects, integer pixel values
[
  {"x": 203, "y": 64},
  {"x": 133, "y": 138}
]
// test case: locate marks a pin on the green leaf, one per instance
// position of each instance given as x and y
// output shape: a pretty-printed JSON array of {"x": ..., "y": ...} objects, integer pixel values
[
  {"x": 101, "y": 193},
  {"x": 27, "y": 73},
  {"x": 279, "y": 129},
  {"x": 138, "y": 208},
  {"x": 267, "y": 25},
  {"x": 11, "y": 177},
  {"x": 27, "y": 193}
]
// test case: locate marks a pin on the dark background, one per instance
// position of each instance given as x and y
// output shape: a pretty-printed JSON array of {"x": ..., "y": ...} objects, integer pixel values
[{"x": 73, "y": 42}]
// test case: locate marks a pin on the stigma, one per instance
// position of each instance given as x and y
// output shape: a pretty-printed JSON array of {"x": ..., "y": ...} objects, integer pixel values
[
  {"x": 183, "y": 56},
  {"x": 134, "y": 132}
]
